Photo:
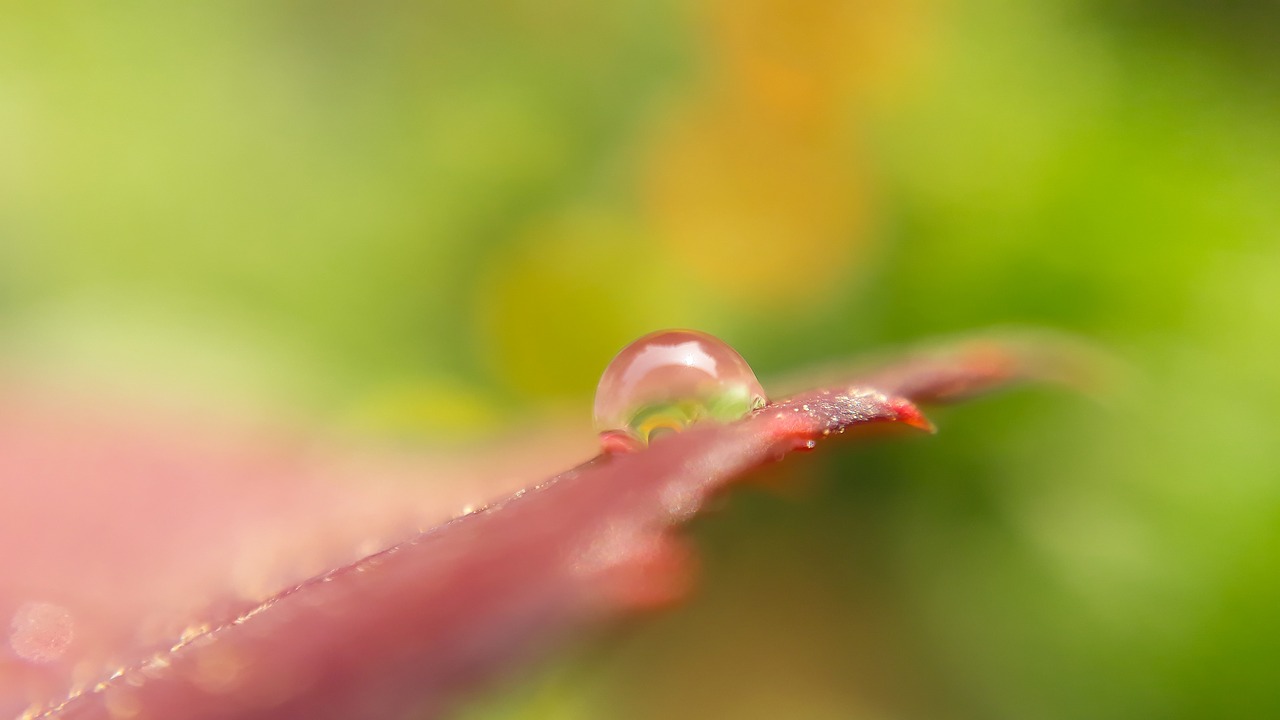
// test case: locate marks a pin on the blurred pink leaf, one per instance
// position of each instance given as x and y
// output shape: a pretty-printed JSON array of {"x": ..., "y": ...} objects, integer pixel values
[{"x": 172, "y": 572}]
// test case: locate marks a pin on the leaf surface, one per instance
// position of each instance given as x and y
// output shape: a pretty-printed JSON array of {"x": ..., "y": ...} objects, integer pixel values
[{"x": 151, "y": 573}]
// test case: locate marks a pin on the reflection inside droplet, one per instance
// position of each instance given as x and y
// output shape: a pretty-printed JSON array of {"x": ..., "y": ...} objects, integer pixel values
[{"x": 668, "y": 380}]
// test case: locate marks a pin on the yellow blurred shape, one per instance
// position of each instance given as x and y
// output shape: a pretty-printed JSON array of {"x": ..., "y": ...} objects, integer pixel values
[
  {"x": 757, "y": 185},
  {"x": 564, "y": 297},
  {"x": 815, "y": 60},
  {"x": 757, "y": 216}
]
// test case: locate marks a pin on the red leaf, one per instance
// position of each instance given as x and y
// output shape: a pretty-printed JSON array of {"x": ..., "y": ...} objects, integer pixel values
[{"x": 116, "y": 538}]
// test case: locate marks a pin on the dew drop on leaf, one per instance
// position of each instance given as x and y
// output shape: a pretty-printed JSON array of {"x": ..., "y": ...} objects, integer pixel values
[{"x": 668, "y": 380}]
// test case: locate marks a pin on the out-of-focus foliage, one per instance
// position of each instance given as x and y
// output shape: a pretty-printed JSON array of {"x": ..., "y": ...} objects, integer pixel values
[{"x": 441, "y": 219}]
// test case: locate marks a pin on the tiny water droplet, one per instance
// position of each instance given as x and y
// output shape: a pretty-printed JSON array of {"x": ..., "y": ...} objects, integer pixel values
[
  {"x": 41, "y": 632},
  {"x": 668, "y": 380}
]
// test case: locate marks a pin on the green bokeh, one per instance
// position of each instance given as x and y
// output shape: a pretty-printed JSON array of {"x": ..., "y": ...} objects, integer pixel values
[{"x": 315, "y": 206}]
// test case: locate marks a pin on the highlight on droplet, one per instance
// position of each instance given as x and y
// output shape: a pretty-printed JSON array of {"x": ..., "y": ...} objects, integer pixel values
[{"x": 668, "y": 380}]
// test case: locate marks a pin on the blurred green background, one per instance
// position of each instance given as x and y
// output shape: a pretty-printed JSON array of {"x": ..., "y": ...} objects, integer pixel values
[{"x": 438, "y": 221}]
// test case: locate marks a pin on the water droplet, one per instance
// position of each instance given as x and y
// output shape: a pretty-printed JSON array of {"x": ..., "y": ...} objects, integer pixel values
[
  {"x": 41, "y": 632},
  {"x": 668, "y": 380}
]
